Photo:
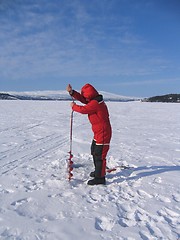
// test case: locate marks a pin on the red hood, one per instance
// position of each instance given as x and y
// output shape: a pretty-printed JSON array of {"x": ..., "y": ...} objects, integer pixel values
[{"x": 89, "y": 92}]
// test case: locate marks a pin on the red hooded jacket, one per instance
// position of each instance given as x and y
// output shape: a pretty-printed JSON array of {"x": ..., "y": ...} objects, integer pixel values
[{"x": 97, "y": 113}]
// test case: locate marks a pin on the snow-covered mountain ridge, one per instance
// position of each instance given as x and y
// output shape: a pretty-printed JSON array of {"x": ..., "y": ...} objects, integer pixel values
[{"x": 58, "y": 95}]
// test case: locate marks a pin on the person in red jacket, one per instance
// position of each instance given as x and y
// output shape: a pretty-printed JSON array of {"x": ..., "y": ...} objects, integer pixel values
[{"x": 98, "y": 116}]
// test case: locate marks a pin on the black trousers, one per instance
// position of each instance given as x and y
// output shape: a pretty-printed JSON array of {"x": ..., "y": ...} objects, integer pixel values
[{"x": 99, "y": 153}]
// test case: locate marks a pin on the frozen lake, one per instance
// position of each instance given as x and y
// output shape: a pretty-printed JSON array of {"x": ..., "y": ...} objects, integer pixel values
[{"x": 38, "y": 202}]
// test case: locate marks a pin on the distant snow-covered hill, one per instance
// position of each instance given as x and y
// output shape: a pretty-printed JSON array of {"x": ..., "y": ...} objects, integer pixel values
[
  {"x": 115, "y": 97},
  {"x": 59, "y": 96}
]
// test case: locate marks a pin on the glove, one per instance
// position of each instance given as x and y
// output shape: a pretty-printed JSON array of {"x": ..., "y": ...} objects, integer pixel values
[
  {"x": 69, "y": 89},
  {"x": 72, "y": 104}
]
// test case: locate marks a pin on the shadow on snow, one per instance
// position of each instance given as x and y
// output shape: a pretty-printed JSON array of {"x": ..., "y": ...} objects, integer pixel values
[{"x": 140, "y": 172}]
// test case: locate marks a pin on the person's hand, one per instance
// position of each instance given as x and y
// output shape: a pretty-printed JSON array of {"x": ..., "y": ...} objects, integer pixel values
[
  {"x": 69, "y": 88},
  {"x": 72, "y": 104}
]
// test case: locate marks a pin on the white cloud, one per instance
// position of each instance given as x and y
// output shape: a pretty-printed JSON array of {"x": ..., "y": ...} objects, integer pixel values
[{"x": 66, "y": 39}]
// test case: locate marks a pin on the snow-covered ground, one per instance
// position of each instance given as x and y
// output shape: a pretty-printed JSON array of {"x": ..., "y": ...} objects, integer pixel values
[{"x": 38, "y": 202}]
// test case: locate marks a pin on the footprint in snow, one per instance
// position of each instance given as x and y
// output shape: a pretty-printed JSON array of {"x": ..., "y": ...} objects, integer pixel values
[
  {"x": 157, "y": 180},
  {"x": 176, "y": 197},
  {"x": 144, "y": 194},
  {"x": 34, "y": 185},
  {"x": 6, "y": 191},
  {"x": 104, "y": 223},
  {"x": 170, "y": 216},
  {"x": 20, "y": 202},
  {"x": 126, "y": 216},
  {"x": 162, "y": 198}
]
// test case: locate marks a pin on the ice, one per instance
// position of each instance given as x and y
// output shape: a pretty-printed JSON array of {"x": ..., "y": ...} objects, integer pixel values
[{"x": 38, "y": 202}]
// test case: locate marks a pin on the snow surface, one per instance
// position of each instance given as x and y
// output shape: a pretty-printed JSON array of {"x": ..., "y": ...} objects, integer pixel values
[{"x": 38, "y": 202}]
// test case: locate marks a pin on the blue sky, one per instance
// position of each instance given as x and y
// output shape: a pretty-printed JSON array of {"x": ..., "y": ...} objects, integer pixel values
[{"x": 128, "y": 47}]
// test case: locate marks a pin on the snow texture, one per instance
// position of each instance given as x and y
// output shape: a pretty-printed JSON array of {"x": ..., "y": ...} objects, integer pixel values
[{"x": 38, "y": 202}]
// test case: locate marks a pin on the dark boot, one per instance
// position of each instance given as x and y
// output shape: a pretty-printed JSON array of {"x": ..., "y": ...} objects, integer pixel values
[
  {"x": 97, "y": 181},
  {"x": 92, "y": 174}
]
